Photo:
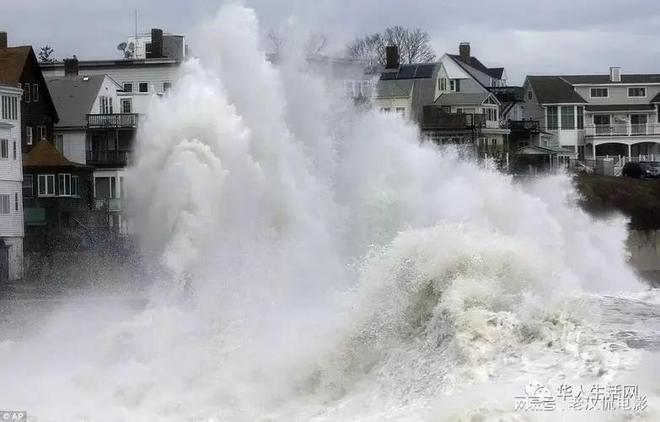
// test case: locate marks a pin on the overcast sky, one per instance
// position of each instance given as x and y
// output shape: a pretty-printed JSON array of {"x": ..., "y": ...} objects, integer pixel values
[{"x": 525, "y": 36}]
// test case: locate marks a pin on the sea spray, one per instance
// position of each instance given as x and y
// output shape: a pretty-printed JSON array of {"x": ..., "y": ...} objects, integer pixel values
[{"x": 319, "y": 266}]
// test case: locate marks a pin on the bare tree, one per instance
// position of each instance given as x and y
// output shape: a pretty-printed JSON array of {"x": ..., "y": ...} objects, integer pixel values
[
  {"x": 45, "y": 53},
  {"x": 413, "y": 46},
  {"x": 315, "y": 44}
]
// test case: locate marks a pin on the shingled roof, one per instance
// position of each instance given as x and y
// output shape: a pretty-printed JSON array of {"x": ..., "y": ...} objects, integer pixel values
[
  {"x": 12, "y": 64},
  {"x": 74, "y": 97},
  {"x": 605, "y": 79},
  {"x": 493, "y": 72},
  {"x": 554, "y": 90},
  {"x": 44, "y": 154}
]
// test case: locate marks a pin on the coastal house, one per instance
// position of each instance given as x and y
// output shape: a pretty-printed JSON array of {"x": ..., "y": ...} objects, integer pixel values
[
  {"x": 613, "y": 114},
  {"x": 19, "y": 67},
  {"x": 57, "y": 197},
  {"x": 451, "y": 99},
  {"x": 140, "y": 77},
  {"x": 11, "y": 175},
  {"x": 114, "y": 94},
  {"x": 94, "y": 132}
]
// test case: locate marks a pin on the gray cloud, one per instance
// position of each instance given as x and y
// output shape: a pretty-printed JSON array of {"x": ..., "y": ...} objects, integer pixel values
[{"x": 525, "y": 36}]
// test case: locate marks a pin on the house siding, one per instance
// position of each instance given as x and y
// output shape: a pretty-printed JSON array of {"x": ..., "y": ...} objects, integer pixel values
[
  {"x": 35, "y": 114},
  {"x": 618, "y": 94}
]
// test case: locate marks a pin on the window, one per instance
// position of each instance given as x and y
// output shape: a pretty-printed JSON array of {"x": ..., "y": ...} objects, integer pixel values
[
  {"x": 75, "y": 182},
  {"x": 28, "y": 186},
  {"x": 491, "y": 114},
  {"x": 530, "y": 95},
  {"x": 568, "y": 117},
  {"x": 41, "y": 131},
  {"x": 46, "y": 184},
  {"x": 105, "y": 104},
  {"x": 15, "y": 152},
  {"x": 552, "y": 118},
  {"x": 443, "y": 84},
  {"x": 600, "y": 92},
  {"x": 637, "y": 92},
  {"x": 16, "y": 201},
  {"x": 143, "y": 87},
  {"x": 26, "y": 93},
  {"x": 128, "y": 86},
  {"x": 168, "y": 85},
  {"x": 385, "y": 109},
  {"x": 28, "y": 133},
  {"x": 64, "y": 184},
  {"x": 35, "y": 93},
  {"x": 4, "y": 204},
  {"x": 9, "y": 108},
  {"x": 4, "y": 148},
  {"x": 126, "y": 105},
  {"x": 454, "y": 85},
  {"x": 59, "y": 142},
  {"x": 580, "y": 117},
  {"x": 401, "y": 111}
]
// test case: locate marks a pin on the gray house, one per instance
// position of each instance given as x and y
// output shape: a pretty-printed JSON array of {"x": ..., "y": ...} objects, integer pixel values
[
  {"x": 598, "y": 115},
  {"x": 451, "y": 100}
]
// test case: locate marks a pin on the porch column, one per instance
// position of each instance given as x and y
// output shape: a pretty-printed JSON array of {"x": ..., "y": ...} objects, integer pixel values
[
  {"x": 593, "y": 148},
  {"x": 629, "y": 152}
]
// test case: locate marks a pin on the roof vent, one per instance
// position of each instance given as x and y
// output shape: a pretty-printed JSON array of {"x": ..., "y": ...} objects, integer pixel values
[{"x": 615, "y": 74}]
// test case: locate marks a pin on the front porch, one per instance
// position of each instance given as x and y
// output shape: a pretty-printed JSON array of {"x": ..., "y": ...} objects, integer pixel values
[{"x": 631, "y": 148}]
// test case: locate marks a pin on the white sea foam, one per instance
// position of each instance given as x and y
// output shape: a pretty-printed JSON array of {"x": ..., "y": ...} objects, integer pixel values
[{"x": 319, "y": 263}]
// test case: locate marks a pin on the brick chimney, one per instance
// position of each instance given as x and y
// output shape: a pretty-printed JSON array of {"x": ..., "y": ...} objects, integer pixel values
[
  {"x": 3, "y": 39},
  {"x": 71, "y": 67},
  {"x": 155, "y": 47},
  {"x": 464, "y": 51},
  {"x": 391, "y": 57}
]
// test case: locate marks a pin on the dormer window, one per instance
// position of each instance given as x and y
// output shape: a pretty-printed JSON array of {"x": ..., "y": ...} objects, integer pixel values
[
  {"x": 637, "y": 92},
  {"x": 530, "y": 95},
  {"x": 600, "y": 92},
  {"x": 454, "y": 85}
]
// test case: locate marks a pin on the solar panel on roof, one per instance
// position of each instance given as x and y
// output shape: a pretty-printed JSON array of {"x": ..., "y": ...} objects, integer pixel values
[
  {"x": 424, "y": 70},
  {"x": 407, "y": 72}
]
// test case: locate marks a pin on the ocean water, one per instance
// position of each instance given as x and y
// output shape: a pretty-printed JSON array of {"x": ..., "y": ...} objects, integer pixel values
[{"x": 311, "y": 261}]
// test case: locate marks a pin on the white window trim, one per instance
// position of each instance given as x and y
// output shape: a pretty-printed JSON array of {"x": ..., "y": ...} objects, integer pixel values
[
  {"x": 637, "y": 96},
  {"x": 67, "y": 186},
  {"x": 605, "y": 88},
  {"x": 2, "y": 141},
  {"x": 45, "y": 177},
  {"x": 8, "y": 196},
  {"x": 30, "y": 135},
  {"x": 138, "y": 88}
]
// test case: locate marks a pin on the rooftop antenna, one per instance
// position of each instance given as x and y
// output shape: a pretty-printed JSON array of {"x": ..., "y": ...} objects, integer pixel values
[{"x": 136, "y": 26}]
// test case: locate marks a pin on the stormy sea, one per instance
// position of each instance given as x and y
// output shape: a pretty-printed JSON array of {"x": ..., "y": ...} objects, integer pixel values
[{"x": 311, "y": 260}]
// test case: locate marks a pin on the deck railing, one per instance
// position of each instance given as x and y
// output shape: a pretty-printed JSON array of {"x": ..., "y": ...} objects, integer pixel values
[
  {"x": 123, "y": 120},
  {"x": 628, "y": 129},
  {"x": 121, "y": 158}
]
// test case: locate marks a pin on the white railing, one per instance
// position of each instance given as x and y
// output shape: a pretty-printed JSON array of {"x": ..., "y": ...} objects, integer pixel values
[
  {"x": 623, "y": 129},
  {"x": 107, "y": 204}
]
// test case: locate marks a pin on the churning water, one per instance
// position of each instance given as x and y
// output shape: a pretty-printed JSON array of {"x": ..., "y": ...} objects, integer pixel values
[{"x": 318, "y": 263}]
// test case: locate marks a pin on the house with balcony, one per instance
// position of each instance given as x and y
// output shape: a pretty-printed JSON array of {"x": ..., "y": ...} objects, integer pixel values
[
  {"x": 451, "y": 100},
  {"x": 607, "y": 115},
  {"x": 11, "y": 175},
  {"x": 93, "y": 132}
]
